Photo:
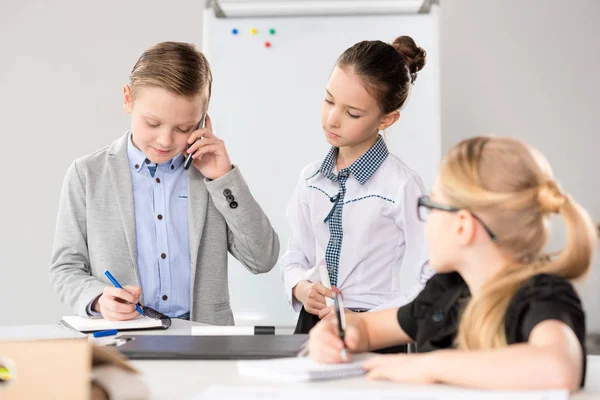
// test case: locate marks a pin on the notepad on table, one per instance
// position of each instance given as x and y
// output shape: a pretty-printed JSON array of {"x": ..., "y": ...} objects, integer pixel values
[
  {"x": 87, "y": 325},
  {"x": 300, "y": 369}
]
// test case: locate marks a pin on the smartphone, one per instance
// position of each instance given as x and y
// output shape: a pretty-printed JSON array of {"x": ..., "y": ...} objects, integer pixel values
[{"x": 188, "y": 158}]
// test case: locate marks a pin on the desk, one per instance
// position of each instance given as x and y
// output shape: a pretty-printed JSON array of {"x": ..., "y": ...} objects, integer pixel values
[{"x": 182, "y": 379}]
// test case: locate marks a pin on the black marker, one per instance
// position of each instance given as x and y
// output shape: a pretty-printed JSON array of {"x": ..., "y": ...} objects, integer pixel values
[{"x": 188, "y": 158}]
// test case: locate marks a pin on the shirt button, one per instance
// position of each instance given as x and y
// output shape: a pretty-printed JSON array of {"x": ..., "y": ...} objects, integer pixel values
[
  {"x": 163, "y": 256},
  {"x": 226, "y": 192},
  {"x": 233, "y": 204},
  {"x": 165, "y": 297},
  {"x": 438, "y": 316},
  {"x": 172, "y": 167},
  {"x": 159, "y": 216},
  {"x": 147, "y": 161},
  {"x": 230, "y": 198},
  {"x": 137, "y": 166},
  {"x": 157, "y": 180}
]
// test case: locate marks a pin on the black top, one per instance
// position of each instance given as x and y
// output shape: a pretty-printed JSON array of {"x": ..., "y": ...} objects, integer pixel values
[{"x": 432, "y": 318}]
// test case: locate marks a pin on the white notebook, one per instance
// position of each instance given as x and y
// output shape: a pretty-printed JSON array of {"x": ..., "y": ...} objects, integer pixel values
[
  {"x": 300, "y": 369},
  {"x": 83, "y": 324}
]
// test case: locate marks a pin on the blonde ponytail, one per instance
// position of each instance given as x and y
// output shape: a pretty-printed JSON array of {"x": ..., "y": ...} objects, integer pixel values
[
  {"x": 574, "y": 260},
  {"x": 516, "y": 195}
]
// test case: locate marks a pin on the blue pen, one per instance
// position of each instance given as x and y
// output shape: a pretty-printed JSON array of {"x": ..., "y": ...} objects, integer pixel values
[
  {"x": 109, "y": 332},
  {"x": 118, "y": 285}
]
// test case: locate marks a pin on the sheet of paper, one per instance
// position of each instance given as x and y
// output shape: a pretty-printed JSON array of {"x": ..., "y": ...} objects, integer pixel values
[
  {"x": 300, "y": 369},
  {"x": 426, "y": 393}
]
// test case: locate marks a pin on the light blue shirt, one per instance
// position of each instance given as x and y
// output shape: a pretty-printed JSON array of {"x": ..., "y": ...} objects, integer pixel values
[{"x": 160, "y": 195}]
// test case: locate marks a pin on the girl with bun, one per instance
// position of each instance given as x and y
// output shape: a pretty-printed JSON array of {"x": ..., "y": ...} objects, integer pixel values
[{"x": 354, "y": 212}]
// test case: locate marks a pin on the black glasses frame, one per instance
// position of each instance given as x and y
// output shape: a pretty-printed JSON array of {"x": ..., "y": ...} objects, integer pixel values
[{"x": 425, "y": 201}]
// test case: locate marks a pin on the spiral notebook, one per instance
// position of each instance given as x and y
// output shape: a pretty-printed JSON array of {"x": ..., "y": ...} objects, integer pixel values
[
  {"x": 152, "y": 320},
  {"x": 299, "y": 369}
]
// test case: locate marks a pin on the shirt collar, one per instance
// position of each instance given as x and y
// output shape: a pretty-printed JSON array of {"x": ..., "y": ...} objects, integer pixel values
[
  {"x": 138, "y": 160},
  {"x": 363, "y": 168}
]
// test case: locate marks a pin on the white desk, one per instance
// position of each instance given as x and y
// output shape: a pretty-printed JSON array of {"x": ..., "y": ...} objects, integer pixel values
[{"x": 183, "y": 379}]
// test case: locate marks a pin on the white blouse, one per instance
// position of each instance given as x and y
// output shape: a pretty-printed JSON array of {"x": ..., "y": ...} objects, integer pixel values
[{"x": 380, "y": 229}]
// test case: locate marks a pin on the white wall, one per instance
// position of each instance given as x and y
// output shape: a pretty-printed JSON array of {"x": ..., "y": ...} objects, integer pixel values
[
  {"x": 63, "y": 65},
  {"x": 522, "y": 68},
  {"x": 530, "y": 69}
]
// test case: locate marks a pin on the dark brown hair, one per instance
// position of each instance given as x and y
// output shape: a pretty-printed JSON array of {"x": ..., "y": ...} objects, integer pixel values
[
  {"x": 178, "y": 67},
  {"x": 387, "y": 70}
]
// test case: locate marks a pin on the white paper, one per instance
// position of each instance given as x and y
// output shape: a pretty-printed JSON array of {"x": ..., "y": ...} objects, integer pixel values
[
  {"x": 324, "y": 275},
  {"x": 84, "y": 324},
  {"x": 298, "y": 369},
  {"x": 434, "y": 392},
  {"x": 38, "y": 332}
]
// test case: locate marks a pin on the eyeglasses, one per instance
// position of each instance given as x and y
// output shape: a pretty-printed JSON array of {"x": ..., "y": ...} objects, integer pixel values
[{"x": 425, "y": 205}]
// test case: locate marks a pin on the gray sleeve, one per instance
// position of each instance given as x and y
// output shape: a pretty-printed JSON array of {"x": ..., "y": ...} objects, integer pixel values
[
  {"x": 69, "y": 272},
  {"x": 91, "y": 312},
  {"x": 251, "y": 238}
]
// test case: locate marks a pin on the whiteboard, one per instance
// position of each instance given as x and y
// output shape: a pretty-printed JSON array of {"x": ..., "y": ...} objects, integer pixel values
[{"x": 266, "y": 104}]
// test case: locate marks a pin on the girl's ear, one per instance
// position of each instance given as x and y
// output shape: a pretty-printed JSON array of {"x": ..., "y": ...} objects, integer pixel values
[
  {"x": 465, "y": 227},
  {"x": 389, "y": 120},
  {"x": 127, "y": 99}
]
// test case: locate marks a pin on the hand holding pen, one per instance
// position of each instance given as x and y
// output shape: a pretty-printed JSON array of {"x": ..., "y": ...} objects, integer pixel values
[
  {"x": 118, "y": 303},
  {"x": 328, "y": 344}
]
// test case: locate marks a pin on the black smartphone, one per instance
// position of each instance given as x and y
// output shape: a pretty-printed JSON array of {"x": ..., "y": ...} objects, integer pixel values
[{"x": 188, "y": 158}]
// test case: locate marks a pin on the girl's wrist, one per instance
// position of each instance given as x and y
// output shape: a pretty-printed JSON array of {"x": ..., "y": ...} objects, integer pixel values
[
  {"x": 432, "y": 363},
  {"x": 299, "y": 292}
]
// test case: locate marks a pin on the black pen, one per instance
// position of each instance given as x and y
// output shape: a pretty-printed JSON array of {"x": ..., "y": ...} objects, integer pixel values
[
  {"x": 341, "y": 321},
  {"x": 188, "y": 158}
]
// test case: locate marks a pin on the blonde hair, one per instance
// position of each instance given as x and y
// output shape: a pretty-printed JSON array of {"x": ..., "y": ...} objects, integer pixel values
[
  {"x": 174, "y": 66},
  {"x": 511, "y": 186}
]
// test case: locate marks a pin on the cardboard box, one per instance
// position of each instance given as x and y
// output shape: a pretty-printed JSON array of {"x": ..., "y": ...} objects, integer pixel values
[
  {"x": 46, "y": 369},
  {"x": 63, "y": 369}
]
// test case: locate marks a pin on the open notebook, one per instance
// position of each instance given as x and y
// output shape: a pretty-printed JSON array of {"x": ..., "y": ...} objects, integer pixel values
[
  {"x": 299, "y": 369},
  {"x": 87, "y": 325}
]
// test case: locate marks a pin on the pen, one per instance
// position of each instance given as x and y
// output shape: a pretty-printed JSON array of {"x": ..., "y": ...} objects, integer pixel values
[
  {"x": 108, "y": 332},
  {"x": 341, "y": 321},
  {"x": 118, "y": 285},
  {"x": 188, "y": 158}
]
